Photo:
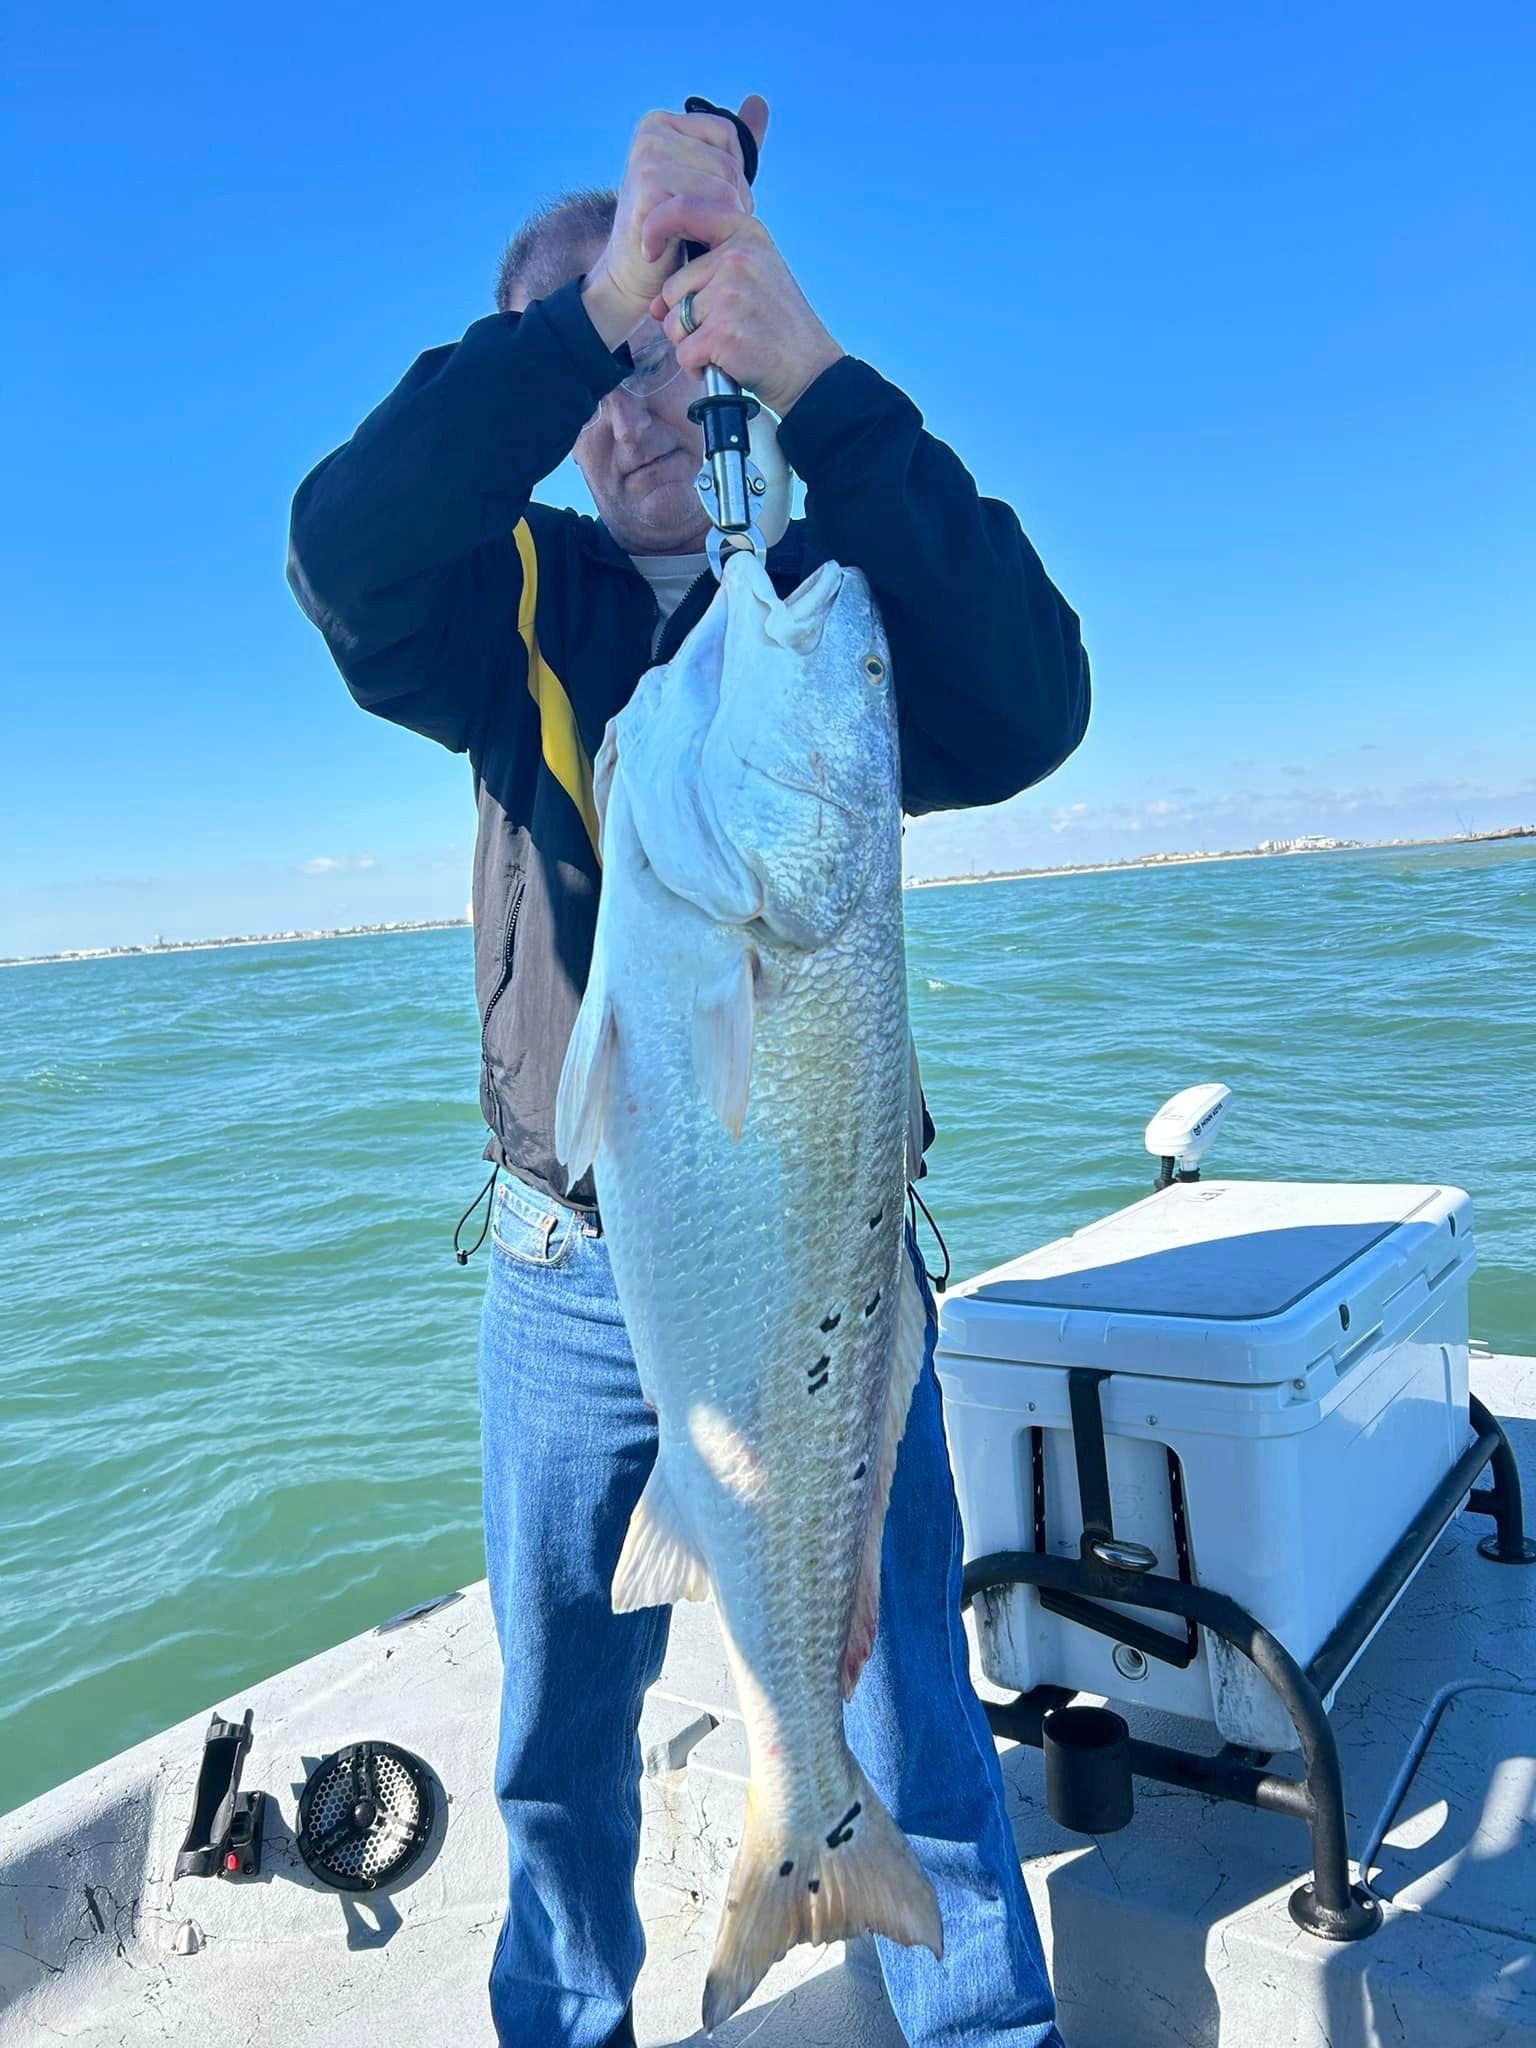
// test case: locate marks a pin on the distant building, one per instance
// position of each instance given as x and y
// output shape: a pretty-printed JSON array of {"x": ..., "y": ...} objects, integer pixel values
[{"x": 1312, "y": 842}]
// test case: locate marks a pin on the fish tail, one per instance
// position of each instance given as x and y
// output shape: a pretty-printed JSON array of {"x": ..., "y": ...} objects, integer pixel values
[{"x": 855, "y": 1875}]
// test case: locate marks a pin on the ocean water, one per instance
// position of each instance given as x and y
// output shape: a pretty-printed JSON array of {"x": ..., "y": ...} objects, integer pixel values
[{"x": 237, "y": 1357}]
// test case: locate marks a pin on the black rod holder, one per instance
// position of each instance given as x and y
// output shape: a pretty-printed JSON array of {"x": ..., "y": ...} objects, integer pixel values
[{"x": 216, "y": 1800}]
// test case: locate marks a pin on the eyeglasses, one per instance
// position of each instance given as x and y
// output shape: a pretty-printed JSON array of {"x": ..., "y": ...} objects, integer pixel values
[
  {"x": 653, "y": 356},
  {"x": 653, "y": 362}
]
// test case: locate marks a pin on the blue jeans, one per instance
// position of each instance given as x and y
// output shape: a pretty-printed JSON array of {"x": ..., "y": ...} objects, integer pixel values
[{"x": 567, "y": 1443}]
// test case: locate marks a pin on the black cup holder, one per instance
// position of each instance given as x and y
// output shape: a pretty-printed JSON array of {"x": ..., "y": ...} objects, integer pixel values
[{"x": 1087, "y": 1769}]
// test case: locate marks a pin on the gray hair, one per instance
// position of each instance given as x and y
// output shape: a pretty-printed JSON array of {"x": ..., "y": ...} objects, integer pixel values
[{"x": 542, "y": 255}]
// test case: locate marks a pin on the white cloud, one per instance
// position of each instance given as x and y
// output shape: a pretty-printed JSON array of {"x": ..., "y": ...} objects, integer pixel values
[
  {"x": 346, "y": 864},
  {"x": 1132, "y": 817},
  {"x": 1065, "y": 815}
]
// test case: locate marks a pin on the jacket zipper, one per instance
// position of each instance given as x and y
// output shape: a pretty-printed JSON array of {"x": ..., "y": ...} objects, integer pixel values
[
  {"x": 678, "y": 609},
  {"x": 508, "y": 934}
]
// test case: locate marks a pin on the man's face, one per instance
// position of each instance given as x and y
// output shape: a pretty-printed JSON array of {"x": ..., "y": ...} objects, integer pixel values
[{"x": 639, "y": 454}]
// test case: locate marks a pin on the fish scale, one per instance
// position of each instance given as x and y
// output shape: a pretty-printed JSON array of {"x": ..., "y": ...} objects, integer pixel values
[{"x": 740, "y": 1079}]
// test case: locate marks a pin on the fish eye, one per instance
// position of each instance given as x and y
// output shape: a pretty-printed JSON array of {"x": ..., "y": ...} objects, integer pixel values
[{"x": 874, "y": 668}]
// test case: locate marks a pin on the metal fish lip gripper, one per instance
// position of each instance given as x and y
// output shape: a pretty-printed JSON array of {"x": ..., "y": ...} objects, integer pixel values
[
  {"x": 730, "y": 485},
  {"x": 731, "y": 482}
]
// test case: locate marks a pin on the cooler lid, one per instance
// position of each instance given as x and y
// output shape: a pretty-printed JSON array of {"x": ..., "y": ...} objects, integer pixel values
[{"x": 1216, "y": 1280}]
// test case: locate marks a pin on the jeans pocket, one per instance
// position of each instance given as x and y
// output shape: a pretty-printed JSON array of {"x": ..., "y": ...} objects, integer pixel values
[{"x": 531, "y": 1235}]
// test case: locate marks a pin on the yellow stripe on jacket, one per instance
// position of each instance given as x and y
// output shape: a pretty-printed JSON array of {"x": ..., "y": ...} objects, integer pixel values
[{"x": 563, "y": 752}]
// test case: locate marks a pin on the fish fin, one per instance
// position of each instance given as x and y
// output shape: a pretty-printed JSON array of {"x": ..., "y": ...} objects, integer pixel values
[
  {"x": 722, "y": 1039},
  {"x": 909, "y": 1347},
  {"x": 855, "y": 1875},
  {"x": 603, "y": 768},
  {"x": 914, "y": 1113},
  {"x": 658, "y": 1563},
  {"x": 582, "y": 1098}
]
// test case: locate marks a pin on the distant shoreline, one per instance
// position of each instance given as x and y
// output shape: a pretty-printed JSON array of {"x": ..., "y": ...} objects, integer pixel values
[
  {"x": 1141, "y": 865},
  {"x": 1151, "y": 861},
  {"x": 347, "y": 931}
]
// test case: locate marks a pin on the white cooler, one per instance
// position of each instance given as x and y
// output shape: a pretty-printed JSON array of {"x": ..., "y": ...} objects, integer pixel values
[{"x": 1300, "y": 1349}]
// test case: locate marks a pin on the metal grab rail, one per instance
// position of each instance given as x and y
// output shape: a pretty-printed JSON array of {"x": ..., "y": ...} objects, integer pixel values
[{"x": 1329, "y": 1905}]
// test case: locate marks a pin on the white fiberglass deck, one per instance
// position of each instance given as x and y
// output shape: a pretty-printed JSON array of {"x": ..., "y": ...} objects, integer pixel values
[{"x": 1174, "y": 1931}]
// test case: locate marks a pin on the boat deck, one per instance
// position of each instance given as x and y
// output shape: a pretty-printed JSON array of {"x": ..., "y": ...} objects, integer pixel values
[{"x": 1173, "y": 1933}]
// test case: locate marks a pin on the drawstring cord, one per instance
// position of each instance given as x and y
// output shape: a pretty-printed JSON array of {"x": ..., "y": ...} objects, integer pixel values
[
  {"x": 484, "y": 1195},
  {"x": 938, "y": 1281}
]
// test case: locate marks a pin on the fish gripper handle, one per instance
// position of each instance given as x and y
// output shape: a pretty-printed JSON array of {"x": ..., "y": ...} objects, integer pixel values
[
  {"x": 724, "y": 416},
  {"x": 696, "y": 104}
]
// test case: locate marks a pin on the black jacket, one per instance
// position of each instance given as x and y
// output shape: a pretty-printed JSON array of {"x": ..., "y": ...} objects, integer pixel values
[{"x": 512, "y": 632}]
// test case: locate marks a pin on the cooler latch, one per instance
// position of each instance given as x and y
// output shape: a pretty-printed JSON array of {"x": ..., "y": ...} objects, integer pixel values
[
  {"x": 1098, "y": 1543},
  {"x": 1098, "y": 1538}
]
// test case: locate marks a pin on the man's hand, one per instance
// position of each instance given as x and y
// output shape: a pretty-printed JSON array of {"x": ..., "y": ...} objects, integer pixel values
[
  {"x": 752, "y": 319},
  {"x": 672, "y": 154}
]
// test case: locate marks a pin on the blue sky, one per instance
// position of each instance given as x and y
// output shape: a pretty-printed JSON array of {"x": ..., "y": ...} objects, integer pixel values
[{"x": 1232, "y": 304}]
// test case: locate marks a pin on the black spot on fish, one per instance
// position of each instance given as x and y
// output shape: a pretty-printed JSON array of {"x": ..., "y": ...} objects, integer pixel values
[
  {"x": 830, "y": 1322},
  {"x": 871, "y": 1306},
  {"x": 814, "y": 1885},
  {"x": 785, "y": 1869},
  {"x": 843, "y": 1832},
  {"x": 863, "y": 1468},
  {"x": 876, "y": 1218},
  {"x": 815, "y": 1386}
]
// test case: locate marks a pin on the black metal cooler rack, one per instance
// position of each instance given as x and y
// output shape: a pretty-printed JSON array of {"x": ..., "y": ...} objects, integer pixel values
[{"x": 1088, "y": 1775}]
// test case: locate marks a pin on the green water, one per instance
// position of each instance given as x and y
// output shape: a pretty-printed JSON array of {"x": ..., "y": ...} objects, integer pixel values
[{"x": 237, "y": 1358}]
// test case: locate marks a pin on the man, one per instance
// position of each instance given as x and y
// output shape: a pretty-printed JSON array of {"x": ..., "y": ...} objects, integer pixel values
[{"x": 512, "y": 631}]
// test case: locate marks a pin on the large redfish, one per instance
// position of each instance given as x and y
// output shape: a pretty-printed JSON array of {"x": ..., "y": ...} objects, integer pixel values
[{"x": 741, "y": 1079}]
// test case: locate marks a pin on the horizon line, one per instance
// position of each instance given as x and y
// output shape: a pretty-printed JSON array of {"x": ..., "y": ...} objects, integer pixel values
[{"x": 1281, "y": 849}]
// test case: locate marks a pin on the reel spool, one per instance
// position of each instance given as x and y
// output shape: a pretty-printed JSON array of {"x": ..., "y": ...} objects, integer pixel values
[{"x": 365, "y": 1816}]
